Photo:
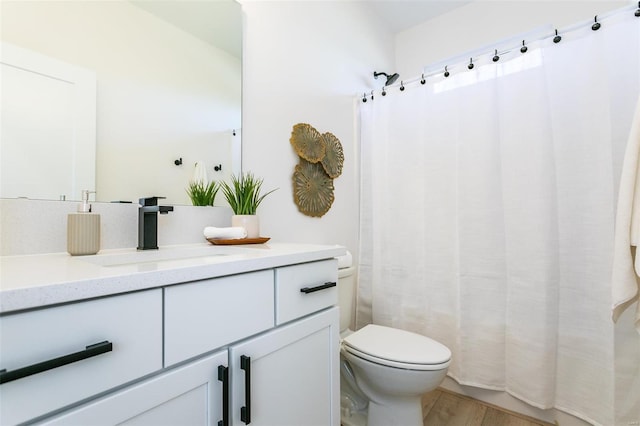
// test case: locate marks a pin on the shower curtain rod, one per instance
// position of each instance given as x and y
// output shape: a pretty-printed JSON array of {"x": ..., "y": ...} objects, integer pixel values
[{"x": 541, "y": 34}]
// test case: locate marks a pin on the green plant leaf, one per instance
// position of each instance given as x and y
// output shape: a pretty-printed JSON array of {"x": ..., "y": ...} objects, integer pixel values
[
  {"x": 244, "y": 193},
  {"x": 202, "y": 194}
]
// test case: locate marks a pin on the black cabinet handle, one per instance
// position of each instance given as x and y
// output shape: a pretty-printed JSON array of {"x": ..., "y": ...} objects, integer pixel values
[
  {"x": 245, "y": 412},
  {"x": 90, "y": 351},
  {"x": 223, "y": 376},
  {"x": 307, "y": 290}
]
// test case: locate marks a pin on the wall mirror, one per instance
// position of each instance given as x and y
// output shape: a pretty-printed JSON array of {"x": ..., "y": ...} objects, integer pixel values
[{"x": 168, "y": 81}]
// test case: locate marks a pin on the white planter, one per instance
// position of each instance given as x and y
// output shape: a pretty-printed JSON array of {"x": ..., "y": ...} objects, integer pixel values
[{"x": 249, "y": 222}]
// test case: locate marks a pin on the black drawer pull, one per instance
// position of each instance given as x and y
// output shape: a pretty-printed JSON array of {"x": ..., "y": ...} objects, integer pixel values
[
  {"x": 223, "y": 376},
  {"x": 307, "y": 290},
  {"x": 245, "y": 412},
  {"x": 90, "y": 351}
]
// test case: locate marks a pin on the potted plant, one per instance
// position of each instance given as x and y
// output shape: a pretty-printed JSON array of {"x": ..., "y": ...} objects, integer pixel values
[
  {"x": 202, "y": 194},
  {"x": 244, "y": 196}
]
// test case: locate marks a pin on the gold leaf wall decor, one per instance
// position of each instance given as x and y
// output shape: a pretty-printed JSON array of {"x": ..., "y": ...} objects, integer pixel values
[
  {"x": 307, "y": 142},
  {"x": 321, "y": 160},
  {"x": 334, "y": 157},
  {"x": 312, "y": 189}
]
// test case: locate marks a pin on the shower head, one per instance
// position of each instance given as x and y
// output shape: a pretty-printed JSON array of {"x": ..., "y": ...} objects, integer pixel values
[{"x": 390, "y": 78}]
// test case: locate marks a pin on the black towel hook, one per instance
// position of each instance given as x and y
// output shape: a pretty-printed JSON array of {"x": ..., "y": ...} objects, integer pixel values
[
  {"x": 496, "y": 58},
  {"x": 422, "y": 80},
  {"x": 446, "y": 72},
  {"x": 364, "y": 97},
  {"x": 524, "y": 48},
  {"x": 557, "y": 38},
  {"x": 401, "y": 86},
  {"x": 372, "y": 95},
  {"x": 596, "y": 25},
  {"x": 637, "y": 12},
  {"x": 470, "y": 66},
  {"x": 384, "y": 92}
]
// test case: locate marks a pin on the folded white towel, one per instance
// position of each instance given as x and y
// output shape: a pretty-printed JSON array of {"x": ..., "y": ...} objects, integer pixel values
[
  {"x": 200, "y": 173},
  {"x": 626, "y": 261},
  {"x": 230, "y": 233}
]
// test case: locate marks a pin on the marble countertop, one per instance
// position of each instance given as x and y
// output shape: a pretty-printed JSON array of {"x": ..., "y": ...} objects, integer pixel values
[{"x": 33, "y": 281}]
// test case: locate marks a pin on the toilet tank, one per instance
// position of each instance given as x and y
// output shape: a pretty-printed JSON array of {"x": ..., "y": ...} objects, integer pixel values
[{"x": 346, "y": 296}]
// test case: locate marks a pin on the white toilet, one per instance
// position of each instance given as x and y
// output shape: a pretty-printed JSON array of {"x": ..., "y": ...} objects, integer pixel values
[{"x": 384, "y": 371}]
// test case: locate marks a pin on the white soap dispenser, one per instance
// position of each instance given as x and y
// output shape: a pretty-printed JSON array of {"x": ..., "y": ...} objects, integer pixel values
[{"x": 83, "y": 229}]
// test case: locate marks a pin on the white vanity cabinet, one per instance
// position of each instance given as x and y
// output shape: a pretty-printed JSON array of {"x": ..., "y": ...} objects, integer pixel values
[
  {"x": 287, "y": 375},
  {"x": 257, "y": 348}
]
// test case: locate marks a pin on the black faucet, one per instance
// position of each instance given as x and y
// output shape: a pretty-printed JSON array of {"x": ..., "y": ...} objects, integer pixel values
[{"x": 148, "y": 222}]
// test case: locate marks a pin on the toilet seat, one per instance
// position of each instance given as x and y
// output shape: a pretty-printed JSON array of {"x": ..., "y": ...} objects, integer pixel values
[{"x": 397, "y": 348}]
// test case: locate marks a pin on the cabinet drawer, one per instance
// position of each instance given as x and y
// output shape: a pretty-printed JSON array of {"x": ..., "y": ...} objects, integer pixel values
[
  {"x": 205, "y": 315},
  {"x": 132, "y": 323},
  {"x": 305, "y": 288}
]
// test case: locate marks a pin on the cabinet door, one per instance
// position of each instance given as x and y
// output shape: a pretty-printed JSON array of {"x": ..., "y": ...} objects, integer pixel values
[
  {"x": 288, "y": 376},
  {"x": 188, "y": 395}
]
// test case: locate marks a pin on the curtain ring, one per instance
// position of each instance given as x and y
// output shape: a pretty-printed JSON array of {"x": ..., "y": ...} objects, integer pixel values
[
  {"x": 496, "y": 58},
  {"x": 557, "y": 38},
  {"x": 523, "y": 49},
  {"x": 422, "y": 80},
  {"x": 401, "y": 86},
  {"x": 596, "y": 26},
  {"x": 446, "y": 72},
  {"x": 364, "y": 97}
]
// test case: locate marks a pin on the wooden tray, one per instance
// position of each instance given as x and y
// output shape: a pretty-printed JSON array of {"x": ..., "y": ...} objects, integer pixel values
[{"x": 237, "y": 241}]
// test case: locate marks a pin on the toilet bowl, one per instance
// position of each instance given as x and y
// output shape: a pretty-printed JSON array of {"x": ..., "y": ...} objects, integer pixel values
[
  {"x": 393, "y": 368},
  {"x": 384, "y": 371}
]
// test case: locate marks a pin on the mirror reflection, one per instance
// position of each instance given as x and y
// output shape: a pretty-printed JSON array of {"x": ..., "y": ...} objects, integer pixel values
[{"x": 167, "y": 96}]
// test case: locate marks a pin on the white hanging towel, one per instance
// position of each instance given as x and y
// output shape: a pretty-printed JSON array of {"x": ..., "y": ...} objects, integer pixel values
[
  {"x": 626, "y": 262},
  {"x": 200, "y": 173}
]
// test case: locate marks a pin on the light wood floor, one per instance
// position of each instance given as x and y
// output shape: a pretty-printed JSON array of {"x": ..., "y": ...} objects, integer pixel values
[{"x": 444, "y": 408}]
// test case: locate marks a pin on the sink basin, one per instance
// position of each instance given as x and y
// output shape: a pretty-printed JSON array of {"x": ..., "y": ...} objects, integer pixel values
[{"x": 132, "y": 257}]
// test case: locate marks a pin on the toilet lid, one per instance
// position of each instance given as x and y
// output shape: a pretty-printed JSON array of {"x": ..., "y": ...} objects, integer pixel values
[{"x": 398, "y": 346}]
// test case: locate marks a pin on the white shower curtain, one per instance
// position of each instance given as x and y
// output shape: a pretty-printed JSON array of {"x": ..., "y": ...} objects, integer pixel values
[{"x": 487, "y": 215}]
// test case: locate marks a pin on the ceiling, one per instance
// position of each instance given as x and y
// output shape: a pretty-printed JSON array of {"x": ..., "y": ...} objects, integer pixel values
[
  {"x": 218, "y": 22},
  {"x": 404, "y": 14}
]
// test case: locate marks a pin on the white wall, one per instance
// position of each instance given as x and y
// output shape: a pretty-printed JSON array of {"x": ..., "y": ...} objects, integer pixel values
[
  {"x": 304, "y": 61},
  {"x": 162, "y": 93}
]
